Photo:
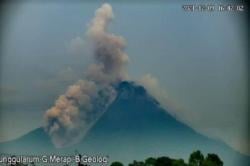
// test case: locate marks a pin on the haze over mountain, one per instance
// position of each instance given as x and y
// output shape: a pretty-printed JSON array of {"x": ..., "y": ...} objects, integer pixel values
[
  {"x": 204, "y": 75},
  {"x": 133, "y": 127},
  {"x": 101, "y": 113}
]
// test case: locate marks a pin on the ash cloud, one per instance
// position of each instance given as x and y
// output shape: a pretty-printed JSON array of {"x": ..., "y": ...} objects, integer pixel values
[
  {"x": 154, "y": 88},
  {"x": 108, "y": 50},
  {"x": 84, "y": 102},
  {"x": 197, "y": 120}
]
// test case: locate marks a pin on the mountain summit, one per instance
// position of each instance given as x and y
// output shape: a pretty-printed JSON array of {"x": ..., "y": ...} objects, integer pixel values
[{"x": 132, "y": 128}]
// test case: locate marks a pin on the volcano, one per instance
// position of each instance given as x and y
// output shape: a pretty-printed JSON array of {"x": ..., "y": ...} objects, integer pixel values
[{"x": 134, "y": 127}]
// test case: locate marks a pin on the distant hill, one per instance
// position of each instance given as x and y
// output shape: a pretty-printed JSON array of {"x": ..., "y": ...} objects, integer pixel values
[{"x": 133, "y": 127}]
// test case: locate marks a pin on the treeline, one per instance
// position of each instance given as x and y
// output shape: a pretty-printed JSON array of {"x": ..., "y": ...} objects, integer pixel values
[{"x": 195, "y": 159}]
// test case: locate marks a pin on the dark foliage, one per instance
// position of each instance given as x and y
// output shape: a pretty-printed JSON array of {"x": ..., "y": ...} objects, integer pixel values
[
  {"x": 117, "y": 163},
  {"x": 196, "y": 159}
]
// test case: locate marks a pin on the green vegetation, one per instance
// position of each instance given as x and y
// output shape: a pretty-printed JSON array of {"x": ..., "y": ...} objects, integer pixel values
[
  {"x": 116, "y": 164},
  {"x": 196, "y": 159}
]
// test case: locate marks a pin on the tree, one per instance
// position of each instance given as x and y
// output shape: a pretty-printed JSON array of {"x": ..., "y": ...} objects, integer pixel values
[
  {"x": 137, "y": 163},
  {"x": 179, "y": 162},
  {"x": 212, "y": 160},
  {"x": 150, "y": 161},
  {"x": 116, "y": 163},
  {"x": 196, "y": 158},
  {"x": 163, "y": 161}
]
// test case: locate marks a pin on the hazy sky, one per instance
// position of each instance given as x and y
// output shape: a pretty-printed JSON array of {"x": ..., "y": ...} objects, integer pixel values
[{"x": 199, "y": 59}]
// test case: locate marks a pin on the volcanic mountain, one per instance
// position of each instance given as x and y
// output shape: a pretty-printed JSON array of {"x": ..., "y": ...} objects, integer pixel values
[{"x": 134, "y": 127}]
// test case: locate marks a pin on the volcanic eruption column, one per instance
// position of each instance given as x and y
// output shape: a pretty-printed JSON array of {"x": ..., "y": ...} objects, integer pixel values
[{"x": 84, "y": 102}]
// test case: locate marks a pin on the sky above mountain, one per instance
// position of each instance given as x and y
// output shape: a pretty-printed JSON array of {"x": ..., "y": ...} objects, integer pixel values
[{"x": 195, "y": 62}]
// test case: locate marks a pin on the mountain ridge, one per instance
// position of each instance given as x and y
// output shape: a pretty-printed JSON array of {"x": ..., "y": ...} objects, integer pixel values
[{"x": 133, "y": 127}]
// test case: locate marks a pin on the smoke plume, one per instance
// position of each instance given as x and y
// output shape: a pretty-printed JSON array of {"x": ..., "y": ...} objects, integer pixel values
[
  {"x": 84, "y": 102},
  {"x": 153, "y": 87}
]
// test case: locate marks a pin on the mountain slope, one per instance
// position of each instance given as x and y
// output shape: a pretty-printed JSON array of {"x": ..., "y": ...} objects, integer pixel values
[
  {"x": 34, "y": 142},
  {"x": 133, "y": 127}
]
